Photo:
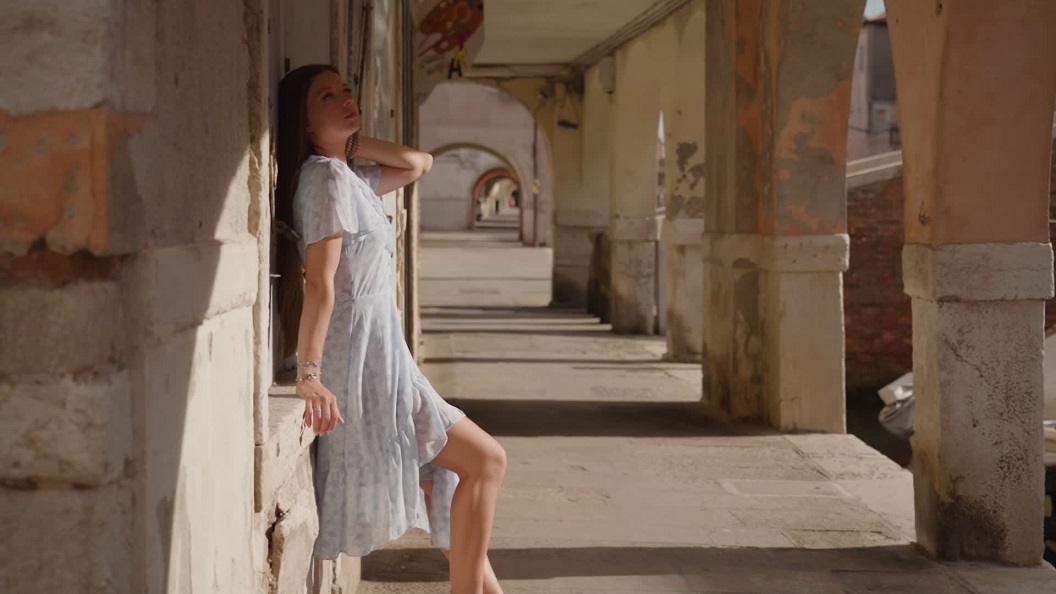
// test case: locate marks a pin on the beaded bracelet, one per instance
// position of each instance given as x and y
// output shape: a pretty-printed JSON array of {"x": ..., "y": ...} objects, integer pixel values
[{"x": 352, "y": 146}]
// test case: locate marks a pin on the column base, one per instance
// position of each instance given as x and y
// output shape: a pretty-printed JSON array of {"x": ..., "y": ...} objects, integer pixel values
[
  {"x": 773, "y": 338},
  {"x": 634, "y": 274},
  {"x": 978, "y": 448},
  {"x": 685, "y": 288},
  {"x": 574, "y": 233}
]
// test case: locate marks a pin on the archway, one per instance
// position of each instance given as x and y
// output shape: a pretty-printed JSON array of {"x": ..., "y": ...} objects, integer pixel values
[
  {"x": 496, "y": 196},
  {"x": 462, "y": 173},
  {"x": 461, "y": 114}
]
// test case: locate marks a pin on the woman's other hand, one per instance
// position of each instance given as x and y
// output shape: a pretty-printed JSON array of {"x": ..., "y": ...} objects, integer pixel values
[{"x": 320, "y": 406}]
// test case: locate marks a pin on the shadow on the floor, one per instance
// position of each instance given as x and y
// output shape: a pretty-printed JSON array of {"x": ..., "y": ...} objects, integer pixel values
[
  {"x": 551, "y": 314},
  {"x": 541, "y": 418},
  {"x": 592, "y": 334},
  {"x": 484, "y": 279},
  {"x": 616, "y": 363},
  {"x": 893, "y": 569},
  {"x": 863, "y": 408}
]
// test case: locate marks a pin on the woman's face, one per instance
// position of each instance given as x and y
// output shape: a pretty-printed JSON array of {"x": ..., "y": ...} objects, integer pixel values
[{"x": 333, "y": 115}]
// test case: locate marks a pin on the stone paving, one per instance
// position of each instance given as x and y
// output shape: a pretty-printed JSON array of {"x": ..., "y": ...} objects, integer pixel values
[{"x": 615, "y": 484}]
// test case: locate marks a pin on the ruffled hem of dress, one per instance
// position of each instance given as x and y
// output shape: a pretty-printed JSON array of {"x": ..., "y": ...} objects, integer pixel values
[
  {"x": 331, "y": 555},
  {"x": 430, "y": 424}
]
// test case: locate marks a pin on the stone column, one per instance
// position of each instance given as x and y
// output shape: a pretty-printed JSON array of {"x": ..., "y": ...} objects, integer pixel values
[
  {"x": 684, "y": 223},
  {"x": 596, "y": 177},
  {"x": 634, "y": 243},
  {"x": 575, "y": 217},
  {"x": 634, "y": 227},
  {"x": 775, "y": 247},
  {"x": 978, "y": 265}
]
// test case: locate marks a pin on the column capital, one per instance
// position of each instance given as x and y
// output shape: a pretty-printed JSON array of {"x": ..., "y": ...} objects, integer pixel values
[
  {"x": 799, "y": 253},
  {"x": 978, "y": 271},
  {"x": 683, "y": 231},
  {"x": 636, "y": 228}
]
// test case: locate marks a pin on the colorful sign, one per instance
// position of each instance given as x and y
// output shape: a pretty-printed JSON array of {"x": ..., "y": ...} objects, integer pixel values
[{"x": 448, "y": 36}]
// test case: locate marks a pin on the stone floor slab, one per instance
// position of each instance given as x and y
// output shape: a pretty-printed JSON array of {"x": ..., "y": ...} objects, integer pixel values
[{"x": 617, "y": 484}]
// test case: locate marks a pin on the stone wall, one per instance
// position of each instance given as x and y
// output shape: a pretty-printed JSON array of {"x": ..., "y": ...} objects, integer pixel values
[{"x": 131, "y": 277}]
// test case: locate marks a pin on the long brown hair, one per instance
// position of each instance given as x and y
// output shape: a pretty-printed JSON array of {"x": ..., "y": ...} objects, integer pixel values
[{"x": 292, "y": 147}]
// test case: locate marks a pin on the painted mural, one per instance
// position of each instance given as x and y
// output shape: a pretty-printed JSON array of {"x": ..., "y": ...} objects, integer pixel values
[{"x": 448, "y": 36}]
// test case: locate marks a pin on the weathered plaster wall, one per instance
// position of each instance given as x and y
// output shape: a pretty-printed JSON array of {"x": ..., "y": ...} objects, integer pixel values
[
  {"x": 685, "y": 189},
  {"x": 471, "y": 115},
  {"x": 779, "y": 82},
  {"x": 146, "y": 244},
  {"x": 944, "y": 189}
]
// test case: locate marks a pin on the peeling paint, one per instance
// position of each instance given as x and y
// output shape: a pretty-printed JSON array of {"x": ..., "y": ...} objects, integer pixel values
[
  {"x": 683, "y": 152},
  {"x": 816, "y": 122},
  {"x": 70, "y": 186}
]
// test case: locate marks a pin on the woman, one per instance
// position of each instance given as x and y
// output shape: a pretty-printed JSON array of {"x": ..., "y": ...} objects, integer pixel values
[{"x": 391, "y": 454}]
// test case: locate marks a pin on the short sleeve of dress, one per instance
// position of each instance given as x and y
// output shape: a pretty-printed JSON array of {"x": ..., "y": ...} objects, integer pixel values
[
  {"x": 370, "y": 174},
  {"x": 323, "y": 202}
]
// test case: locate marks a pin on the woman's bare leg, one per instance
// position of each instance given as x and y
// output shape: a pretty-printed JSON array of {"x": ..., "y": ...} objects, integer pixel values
[
  {"x": 480, "y": 463},
  {"x": 491, "y": 582}
]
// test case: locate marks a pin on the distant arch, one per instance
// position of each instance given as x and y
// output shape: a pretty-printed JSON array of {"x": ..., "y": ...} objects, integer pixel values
[
  {"x": 454, "y": 146},
  {"x": 496, "y": 120},
  {"x": 492, "y": 175}
]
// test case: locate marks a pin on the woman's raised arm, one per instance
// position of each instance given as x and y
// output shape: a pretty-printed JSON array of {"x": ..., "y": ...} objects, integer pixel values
[{"x": 400, "y": 165}]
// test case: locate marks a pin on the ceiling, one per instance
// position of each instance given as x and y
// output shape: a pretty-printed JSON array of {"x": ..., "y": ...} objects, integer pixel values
[{"x": 526, "y": 37}]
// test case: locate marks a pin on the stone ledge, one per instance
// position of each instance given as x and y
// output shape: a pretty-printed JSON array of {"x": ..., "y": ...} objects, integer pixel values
[
  {"x": 636, "y": 229},
  {"x": 68, "y": 432},
  {"x": 285, "y": 503},
  {"x": 978, "y": 271},
  {"x": 276, "y": 460},
  {"x": 683, "y": 231},
  {"x": 804, "y": 253}
]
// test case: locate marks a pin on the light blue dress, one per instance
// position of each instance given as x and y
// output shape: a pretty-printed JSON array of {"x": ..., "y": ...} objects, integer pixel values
[{"x": 368, "y": 470}]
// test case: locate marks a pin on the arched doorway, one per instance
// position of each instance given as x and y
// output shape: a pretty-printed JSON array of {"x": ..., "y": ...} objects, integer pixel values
[
  {"x": 496, "y": 198},
  {"x": 468, "y": 114},
  {"x": 462, "y": 174}
]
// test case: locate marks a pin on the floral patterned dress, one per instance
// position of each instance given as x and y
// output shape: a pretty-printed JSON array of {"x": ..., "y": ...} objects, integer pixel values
[{"x": 368, "y": 470}]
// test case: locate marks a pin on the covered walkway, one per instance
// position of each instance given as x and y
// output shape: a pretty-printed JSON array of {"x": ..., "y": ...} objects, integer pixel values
[{"x": 615, "y": 485}]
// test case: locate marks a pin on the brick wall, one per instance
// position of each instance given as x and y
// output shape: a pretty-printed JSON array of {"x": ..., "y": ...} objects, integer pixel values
[{"x": 879, "y": 327}]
